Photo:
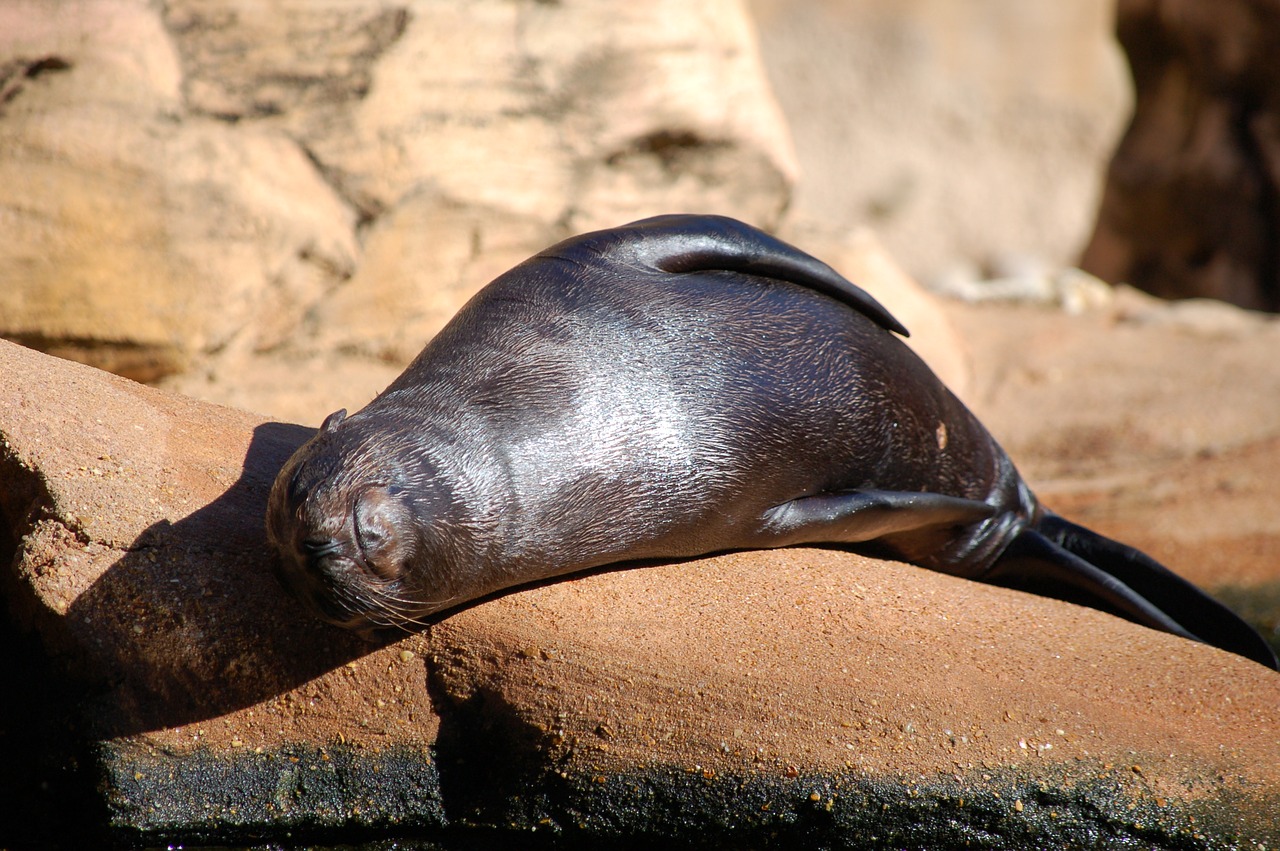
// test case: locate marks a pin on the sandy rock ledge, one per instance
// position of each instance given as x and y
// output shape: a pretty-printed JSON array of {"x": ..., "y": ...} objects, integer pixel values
[{"x": 161, "y": 683}]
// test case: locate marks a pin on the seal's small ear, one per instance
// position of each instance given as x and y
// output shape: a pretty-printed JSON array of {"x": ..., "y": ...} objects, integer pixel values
[{"x": 331, "y": 421}]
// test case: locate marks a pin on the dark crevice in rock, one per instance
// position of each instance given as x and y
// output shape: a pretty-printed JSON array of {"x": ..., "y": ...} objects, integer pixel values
[
  {"x": 26, "y": 503},
  {"x": 21, "y": 494},
  {"x": 15, "y": 73},
  {"x": 50, "y": 800},
  {"x": 675, "y": 149},
  {"x": 490, "y": 759},
  {"x": 1192, "y": 200},
  {"x": 366, "y": 206}
]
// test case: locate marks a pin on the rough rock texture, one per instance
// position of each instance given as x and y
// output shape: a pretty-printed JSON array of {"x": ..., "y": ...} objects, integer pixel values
[
  {"x": 139, "y": 235},
  {"x": 800, "y": 696},
  {"x": 1155, "y": 423},
  {"x": 1192, "y": 201},
  {"x": 216, "y": 178}
]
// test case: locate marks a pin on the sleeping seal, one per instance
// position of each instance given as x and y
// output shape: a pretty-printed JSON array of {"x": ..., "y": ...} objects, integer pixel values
[{"x": 675, "y": 387}]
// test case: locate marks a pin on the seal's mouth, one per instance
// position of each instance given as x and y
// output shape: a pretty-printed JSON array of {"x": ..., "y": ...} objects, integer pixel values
[
  {"x": 335, "y": 579},
  {"x": 328, "y": 580}
]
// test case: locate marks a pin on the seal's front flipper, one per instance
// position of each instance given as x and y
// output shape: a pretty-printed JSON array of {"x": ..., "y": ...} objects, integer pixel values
[
  {"x": 695, "y": 243},
  {"x": 923, "y": 521},
  {"x": 1060, "y": 559}
]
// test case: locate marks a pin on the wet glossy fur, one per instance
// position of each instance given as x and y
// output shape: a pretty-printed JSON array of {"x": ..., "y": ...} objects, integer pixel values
[{"x": 675, "y": 387}]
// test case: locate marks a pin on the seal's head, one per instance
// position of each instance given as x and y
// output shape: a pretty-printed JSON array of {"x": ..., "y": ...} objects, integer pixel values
[{"x": 342, "y": 521}]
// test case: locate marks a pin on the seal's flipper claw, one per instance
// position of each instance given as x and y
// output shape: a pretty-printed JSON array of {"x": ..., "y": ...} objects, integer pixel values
[
  {"x": 694, "y": 243},
  {"x": 1060, "y": 559},
  {"x": 862, "y": 516}
]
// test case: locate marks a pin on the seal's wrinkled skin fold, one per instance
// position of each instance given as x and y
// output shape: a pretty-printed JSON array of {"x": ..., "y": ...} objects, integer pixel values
[{"x": 679, "y": 386}]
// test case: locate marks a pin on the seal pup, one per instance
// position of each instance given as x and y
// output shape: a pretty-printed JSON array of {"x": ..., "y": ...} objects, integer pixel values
[{"x": 675, "y": 387}]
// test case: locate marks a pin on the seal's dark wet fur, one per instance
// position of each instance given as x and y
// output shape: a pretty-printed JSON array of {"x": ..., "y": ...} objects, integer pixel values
[{"x": 678, "y": 386}]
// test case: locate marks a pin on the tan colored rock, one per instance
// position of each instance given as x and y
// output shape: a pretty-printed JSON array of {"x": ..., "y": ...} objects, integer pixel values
[
  {"x": 422, "y": 260},
  {"x": 503, "y": 128},
  {"x": 295, "y": 63},
  {"x": 109, "y": 564},
  {"x": 182, "y": 186},
  {"x": 1154, "y": 423},
  {"x": 832, "y": 663},
  {"x": 124, "y": 56},
  {"x": 958, "y": 131},
  {"x": 635, "y": 700},
  {"x": 575, "y": 115},
  {"x": 136, "y": 239}
]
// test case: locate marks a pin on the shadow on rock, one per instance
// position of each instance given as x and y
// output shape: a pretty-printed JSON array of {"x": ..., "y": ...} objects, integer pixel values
[{"x": 191, "y": 623}]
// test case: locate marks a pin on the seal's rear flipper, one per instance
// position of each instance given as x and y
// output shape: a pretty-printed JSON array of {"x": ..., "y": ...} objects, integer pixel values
[
  {"x": 1060, "y": 559},
  {"x": 696, "y": 243},
  {"x": 854, "y": 517}
]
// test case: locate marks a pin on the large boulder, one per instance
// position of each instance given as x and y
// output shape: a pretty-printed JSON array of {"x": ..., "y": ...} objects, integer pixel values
[
  {"x": 139, "y": 235},
  {"x": 171, "y": 687},
  {"x": 218, "y": 178}
]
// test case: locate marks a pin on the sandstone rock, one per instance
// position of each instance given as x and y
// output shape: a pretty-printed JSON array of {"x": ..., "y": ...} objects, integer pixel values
[
  {"x": 138, "y": 240},
  {"x": 422, "y": 260},
  {"x": 514, "y": 126},
  {"x": 561, "y": 113},
  {"x": 1152, "y": 422},
  {"x": 194, "y": 183},
  {"x": 752, "y": 699},
  {"x": 1189, "y": 205},
  {"x": 475, "y": 136}
]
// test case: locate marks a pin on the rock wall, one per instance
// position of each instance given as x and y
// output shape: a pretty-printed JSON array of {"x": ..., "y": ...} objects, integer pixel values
[
  {"x": 1192, "y": 203},
  {"x": 187, "y": 185},
  {"x": 209, "y": 177}
]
